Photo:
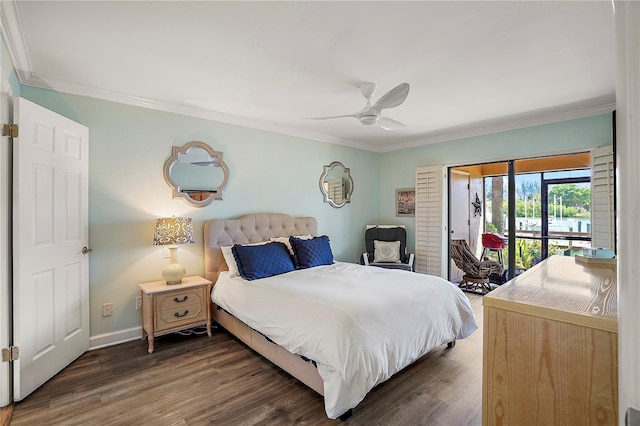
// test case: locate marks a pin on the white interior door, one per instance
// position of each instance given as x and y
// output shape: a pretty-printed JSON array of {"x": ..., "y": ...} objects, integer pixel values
[
  {"x": 50, "y": 229},
  {"x": 458, "y": 214}
]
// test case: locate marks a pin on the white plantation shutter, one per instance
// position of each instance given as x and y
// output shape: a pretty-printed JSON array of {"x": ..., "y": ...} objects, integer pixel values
[
  {"x": 430, "y": 221},
  {"x": 602, "y": 190}
]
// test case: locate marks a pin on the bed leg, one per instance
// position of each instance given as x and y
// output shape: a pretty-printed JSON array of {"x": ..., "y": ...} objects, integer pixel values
[
  {"x": 451, "y": 344},
  {"x": 346, "y": 415}
]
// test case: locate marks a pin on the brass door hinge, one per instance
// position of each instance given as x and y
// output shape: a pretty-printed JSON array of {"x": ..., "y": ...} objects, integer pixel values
[
  {"x": 12, "y": 353},
  {"x": 10, "y": 130}
]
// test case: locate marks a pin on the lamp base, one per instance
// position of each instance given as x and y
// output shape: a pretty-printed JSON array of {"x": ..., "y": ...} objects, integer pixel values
[{"x": 173, "y": 272}]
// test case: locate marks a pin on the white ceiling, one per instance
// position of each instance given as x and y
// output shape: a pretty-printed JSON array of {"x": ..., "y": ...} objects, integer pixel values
[{"x": 474, "y": 67}]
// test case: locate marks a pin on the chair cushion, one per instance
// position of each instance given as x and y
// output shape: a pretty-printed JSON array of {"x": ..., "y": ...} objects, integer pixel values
[{"x": 386, "y": 251}]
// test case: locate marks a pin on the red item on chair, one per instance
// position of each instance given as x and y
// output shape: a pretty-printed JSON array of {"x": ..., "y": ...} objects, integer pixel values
[{"x": 492, "y": 241}]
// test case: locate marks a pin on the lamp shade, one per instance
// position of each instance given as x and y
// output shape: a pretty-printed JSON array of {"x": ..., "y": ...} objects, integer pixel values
[{"x": 173, "y": 230}]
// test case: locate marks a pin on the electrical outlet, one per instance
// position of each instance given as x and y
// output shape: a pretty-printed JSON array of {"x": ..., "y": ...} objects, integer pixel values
[
  {"x": 138, "y": 303},
  {"x": 107, "y": 309},
  {"x": 165, "y": 252}
]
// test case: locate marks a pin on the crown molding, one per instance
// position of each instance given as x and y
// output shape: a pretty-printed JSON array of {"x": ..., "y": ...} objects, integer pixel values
[
  {"x": 514, "y": 122},
  {"x": 35, "y": 80},
  {"x": 14, "y": 37},
  {"x": 107, "y": 95},
  {"x": 503, "y": 124}
]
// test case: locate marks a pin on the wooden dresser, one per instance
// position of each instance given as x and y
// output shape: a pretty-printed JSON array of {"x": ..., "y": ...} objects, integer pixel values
[{"x": 551, "y": 347}]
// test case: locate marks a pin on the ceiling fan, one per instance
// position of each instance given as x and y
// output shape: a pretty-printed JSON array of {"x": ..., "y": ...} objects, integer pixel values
[{"x": 371, "y": 114}]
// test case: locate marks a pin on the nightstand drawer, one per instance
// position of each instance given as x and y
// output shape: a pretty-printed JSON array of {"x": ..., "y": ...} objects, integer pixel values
[
  {"x": 171, "y": 318},
  {"x": 178, "y": 299}
]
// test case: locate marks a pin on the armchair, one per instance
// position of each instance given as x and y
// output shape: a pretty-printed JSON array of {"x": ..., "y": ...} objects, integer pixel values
[
  {"x": 386, "y": 247},
  {"x": 478, "y": 274}
]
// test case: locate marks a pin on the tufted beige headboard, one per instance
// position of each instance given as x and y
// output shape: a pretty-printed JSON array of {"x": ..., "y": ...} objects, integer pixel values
[{"x": 251, "y": 228}]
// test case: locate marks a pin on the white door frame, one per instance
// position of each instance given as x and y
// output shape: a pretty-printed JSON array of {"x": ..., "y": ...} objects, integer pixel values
[
  {"x": 628, "y": 208},
  {"x": 6, "y": 159}
]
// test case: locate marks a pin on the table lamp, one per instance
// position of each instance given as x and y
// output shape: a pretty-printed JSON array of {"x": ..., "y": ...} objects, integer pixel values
[{"x": 173, "y": 230}]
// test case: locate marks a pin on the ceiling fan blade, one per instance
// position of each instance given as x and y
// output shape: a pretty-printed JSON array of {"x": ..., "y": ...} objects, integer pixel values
[
  {"x": 393, "y": 97},
  {"x": 328, "y": 118},
  {"x": 390, "y": 124}
]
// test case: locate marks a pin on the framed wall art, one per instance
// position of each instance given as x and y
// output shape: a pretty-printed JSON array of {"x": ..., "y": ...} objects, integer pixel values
[{"x": 405, "y": 202}]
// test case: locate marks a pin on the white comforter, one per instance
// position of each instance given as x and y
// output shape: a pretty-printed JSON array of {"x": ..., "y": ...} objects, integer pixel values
[{"x": 361, "y": 324}]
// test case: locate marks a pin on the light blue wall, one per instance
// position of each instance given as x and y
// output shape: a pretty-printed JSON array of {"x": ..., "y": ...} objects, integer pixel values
[
  {"x": 398, "y": 168},
  {"x": 127, "y": 191}
]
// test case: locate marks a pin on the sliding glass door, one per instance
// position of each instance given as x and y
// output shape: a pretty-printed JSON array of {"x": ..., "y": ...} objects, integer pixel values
[
  {"x": 538, "y": 206},
  {"x": 546, "y": 212}
]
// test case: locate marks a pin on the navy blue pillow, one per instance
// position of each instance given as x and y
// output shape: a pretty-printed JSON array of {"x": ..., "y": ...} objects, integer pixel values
[
  {"x": 310, "y": 253},
  {"x": 262, "y": 261}
]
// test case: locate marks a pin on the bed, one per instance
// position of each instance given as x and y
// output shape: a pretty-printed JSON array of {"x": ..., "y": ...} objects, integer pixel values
[{"x": 340, "y": 328}]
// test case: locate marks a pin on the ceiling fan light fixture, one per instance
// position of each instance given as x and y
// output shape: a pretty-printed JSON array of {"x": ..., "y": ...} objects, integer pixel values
[
  {"x": 368, "y": 120},
  {"x": 370, "y": 114}
]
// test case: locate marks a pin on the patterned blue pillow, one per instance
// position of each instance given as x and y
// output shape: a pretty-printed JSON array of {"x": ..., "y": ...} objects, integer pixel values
[
  {"x": 310, "y": 253},
  {"x": 255, "y": 262}
]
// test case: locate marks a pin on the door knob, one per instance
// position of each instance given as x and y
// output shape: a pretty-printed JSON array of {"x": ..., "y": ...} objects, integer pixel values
[{"x": 86, "y": 250}]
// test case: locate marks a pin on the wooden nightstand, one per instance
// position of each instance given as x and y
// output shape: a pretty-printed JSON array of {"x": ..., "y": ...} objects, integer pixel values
[{"x": 170, "y": 308}]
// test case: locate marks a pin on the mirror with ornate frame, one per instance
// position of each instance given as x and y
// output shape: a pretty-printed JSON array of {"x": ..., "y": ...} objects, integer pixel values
[
  {"x": 196, "y": 172},
  {"x": 336, "y": 184}
]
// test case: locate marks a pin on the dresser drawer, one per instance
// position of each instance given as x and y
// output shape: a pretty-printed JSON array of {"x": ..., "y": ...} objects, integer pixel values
[
  {"x": 177, "y": 299},
  {"x": 176, "y": 317}
]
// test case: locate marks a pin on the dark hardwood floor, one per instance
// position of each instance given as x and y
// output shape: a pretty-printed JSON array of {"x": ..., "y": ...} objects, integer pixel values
[
  {"x": 5, "y": 414},
  {"x": 197, "y": 380}
]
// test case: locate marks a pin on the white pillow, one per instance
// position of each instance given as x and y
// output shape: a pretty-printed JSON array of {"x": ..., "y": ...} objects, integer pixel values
[
  {"x": 231, "y": 260},
  {"x": 386, "y": 251},
  {"x": 285, "y": 241}
]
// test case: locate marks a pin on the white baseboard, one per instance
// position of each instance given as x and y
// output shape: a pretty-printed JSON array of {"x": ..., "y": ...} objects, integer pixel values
[{"x": 110, "y": 339}]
